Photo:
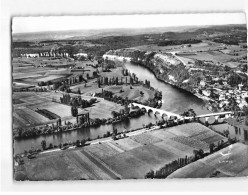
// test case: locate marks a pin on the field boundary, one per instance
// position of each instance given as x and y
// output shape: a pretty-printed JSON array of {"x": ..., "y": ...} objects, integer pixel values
[{"x": 105, "y": 166}]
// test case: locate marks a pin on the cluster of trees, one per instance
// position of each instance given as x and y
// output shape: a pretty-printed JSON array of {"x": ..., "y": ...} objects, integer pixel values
[
  {"x": 64, "y": 84},
  {"x": 40, "y": 89},
  {"x": 125, "y": 72},
  {"x": 179, "y": 72},
  {"x": 244, "y": 67},
  {"x": 189, "y": 113},
  {"x": 108, "y": 64},
  {"x": 97, "y": 122},
  {"x": 61, "y": 85},
  {"x": 207, "y": 66},
  {"x": 77, "y": 101},
  {"x": 108, "y": 95},
  {"x": 42, "y": 83},
  {"x": 229, "y": 40},
  {"x": 36, "y": 131},
  {"x": 49, "y": 129},
  {"x": 77, "y": 143},
  {"x": 84, "y": 119},
  {"x": 169, "y": 168},
  {"x": 245, "y": 111},
  {"x": 111, "y": 81},
  {"x": 29, "y": 132},
  {"x": 74, "y": 111},
  {"x": 147, "y": 83},
  {"x": 37, "y": 89},
  {"x": 42, "y": 130},
  {"x": 234, "y": 79},
  {"x": 46, "y": 146},
  {"x": 153, "y": 102},
  {"x": 121, "y": 113},
  {"x": 47, "y": 114},
  {"x": 179, "y": 42}
]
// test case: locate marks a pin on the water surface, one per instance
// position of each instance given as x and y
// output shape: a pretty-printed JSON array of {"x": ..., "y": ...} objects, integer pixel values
[{"x": 174, "y": 100}]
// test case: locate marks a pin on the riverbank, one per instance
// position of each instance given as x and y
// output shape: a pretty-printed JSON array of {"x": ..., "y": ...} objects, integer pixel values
[
  {"x": 157, "y": 74},
  {"x": 174, "y": 100},
  {"x": 115, "y": 135},
  {"x": 53, "y": 129},
  {"x": 204, "y": 98},
  {"x": 131, "y": 157},
  {"x": 108, "y": 139},
  {"x": 88, "y": 141}
]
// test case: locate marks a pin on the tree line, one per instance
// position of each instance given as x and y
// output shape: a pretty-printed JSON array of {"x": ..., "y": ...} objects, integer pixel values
[{"x": 171, "y": 167}]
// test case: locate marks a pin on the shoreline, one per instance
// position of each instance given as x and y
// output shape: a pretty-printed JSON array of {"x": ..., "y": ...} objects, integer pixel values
[
  {"x": 74, "y": 129},
  {"x": 108, "y": 139},
  {"x": 170, "y": 83},
  {"x": 129, "y": 133},
  {"x": 201, "y": 97}
]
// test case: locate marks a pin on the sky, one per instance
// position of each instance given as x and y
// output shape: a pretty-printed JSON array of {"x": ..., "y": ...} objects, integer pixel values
[{"x": 61, "y": 23}]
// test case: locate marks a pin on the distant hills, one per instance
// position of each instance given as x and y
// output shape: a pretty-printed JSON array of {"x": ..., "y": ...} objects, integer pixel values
[{"x": 95, "y": 34}]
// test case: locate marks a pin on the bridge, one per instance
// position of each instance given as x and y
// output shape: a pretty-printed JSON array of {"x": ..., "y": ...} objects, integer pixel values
[
  {"x": 216, "y": 115},
  {"x": 164, "y": 113},
  {"x": 156, "y": 111}
]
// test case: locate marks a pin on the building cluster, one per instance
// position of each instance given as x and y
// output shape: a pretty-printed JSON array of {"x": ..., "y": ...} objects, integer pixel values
[
  {"x": 45, "y": 54},
  {"x": 115, "y": 57},
  {"x": 223, "y": 94}
]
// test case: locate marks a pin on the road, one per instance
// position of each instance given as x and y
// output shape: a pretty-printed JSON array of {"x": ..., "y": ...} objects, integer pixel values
[
  {"x": 130, "y": 134},
  {"x": 173, "y": 53}
]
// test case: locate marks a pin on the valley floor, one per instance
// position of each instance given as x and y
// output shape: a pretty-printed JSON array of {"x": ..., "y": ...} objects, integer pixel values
[{"x": 128, "y": 158}]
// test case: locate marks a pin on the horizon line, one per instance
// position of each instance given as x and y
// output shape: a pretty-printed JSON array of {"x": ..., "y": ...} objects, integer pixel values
[{"x": 157, "y": 27}]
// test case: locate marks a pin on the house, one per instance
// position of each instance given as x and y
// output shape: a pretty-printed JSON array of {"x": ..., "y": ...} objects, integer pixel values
[
  {"x": 206, "y": 93},
  {"x": 81, "y": 54},
  {"x": 240, "y": 86},
  {"x": 202, "y": 83},
  {"x": 32, "y": 55}
]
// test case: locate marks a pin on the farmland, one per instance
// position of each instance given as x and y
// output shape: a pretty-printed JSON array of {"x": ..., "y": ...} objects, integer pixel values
[
  {"x": 214, "y": 56},
  {"x": 72, "y": 100},
  {"x": 216, "y": 165},
  {"x": 206, "y": 50},
  {"x": 128, "y": 158},
  {"x": 26, "y": 103},
  {"x": 123, "y": 90},
  {"x": 26, "y": 117},
  {"x": 103, "y": 109}
]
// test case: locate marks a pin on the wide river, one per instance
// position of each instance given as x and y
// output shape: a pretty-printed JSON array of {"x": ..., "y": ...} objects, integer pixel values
[{"x": 174, "y": 100}]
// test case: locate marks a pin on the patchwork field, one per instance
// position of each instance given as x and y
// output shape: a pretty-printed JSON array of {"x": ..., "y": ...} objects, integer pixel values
[
  {"x": 25, "y": 104},
  {"x": 229, "y": 55},
  {"x": 127, "y": 144},
  {"x": 25, "y": 117},
  {"x": 128, "y": 158},
  {"x": 211, "y": 56},
  {"x": 56, "y": 108},
  {"x": 24, "y": 114},
  {"x": 49, "y": 78},
  {"x": 145, "y": 139},
  {"x": 102, "y": 151}
]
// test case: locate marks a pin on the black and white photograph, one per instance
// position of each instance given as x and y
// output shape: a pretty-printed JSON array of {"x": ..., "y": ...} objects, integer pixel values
[{"x": 118, "y": 97}]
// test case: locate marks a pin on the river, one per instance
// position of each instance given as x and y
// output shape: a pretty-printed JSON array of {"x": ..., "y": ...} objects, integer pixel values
[{"x": 174, "y": 100}]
